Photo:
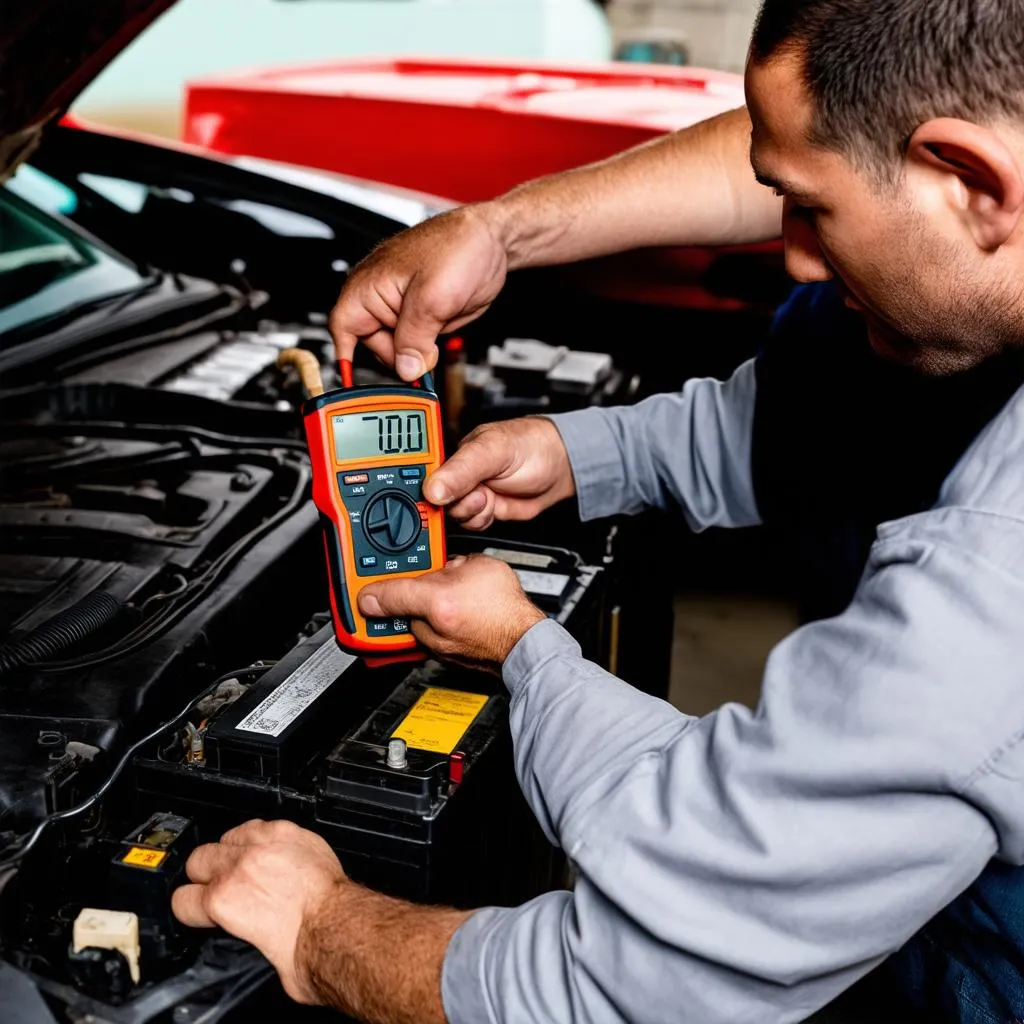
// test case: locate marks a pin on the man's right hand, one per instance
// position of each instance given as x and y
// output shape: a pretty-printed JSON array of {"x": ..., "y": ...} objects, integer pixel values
[
  {"x": 504, "y": 471},
  {"x": 430, "y": 280}
]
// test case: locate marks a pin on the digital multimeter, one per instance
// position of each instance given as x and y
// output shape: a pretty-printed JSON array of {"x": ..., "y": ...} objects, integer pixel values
[{"x": 372, "y": 448}]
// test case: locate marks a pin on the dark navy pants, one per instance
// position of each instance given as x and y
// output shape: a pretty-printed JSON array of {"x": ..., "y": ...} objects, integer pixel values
[{"x": 967, "y": 965}]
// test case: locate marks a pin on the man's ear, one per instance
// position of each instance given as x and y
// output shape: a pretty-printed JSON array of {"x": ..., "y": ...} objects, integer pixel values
[{"x": 984, "y": 182}]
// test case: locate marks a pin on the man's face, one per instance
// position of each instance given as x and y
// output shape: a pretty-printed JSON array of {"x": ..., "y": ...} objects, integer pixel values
[{"x": 933, "y": 300}]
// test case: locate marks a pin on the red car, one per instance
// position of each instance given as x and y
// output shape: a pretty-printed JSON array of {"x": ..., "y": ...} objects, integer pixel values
[{"x": 470, "y": 130}]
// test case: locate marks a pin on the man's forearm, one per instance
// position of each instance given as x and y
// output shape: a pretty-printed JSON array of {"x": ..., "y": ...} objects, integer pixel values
[
  {"x": 376, "y": 958},
  {"x": 694, "y": 187}
]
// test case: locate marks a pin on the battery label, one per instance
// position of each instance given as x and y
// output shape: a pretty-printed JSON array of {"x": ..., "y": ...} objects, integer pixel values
[
  {"x": 547, "y": 584},
  {"x": 439, "y": 719},
  {"x": 532, "y": 559},
  {"x": 297, "y": 692},
  {"x": 143, "y": 858}
]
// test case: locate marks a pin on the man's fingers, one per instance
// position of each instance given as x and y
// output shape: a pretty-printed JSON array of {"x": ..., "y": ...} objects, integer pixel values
[
  {"x": 426, "y": 636},
  {"x": 208, "y": 861},
  {"x": 382, "y": 344},
  {"x": 249, "y": 833},
  {"x": 515, "y": 510},
  {"x": 187, "y": 904},
  {"x": 408, "y": 598},
  {"x": 416, "y": 336},
  {"x": 352, "y": 319},
  {"x": 481, "y": 458},
  {"x": 485, "y": 516},
  {"x": 471, "y": 505},
  {"x": 460, "y": 321},
  {"x": 345, "y": 345}
]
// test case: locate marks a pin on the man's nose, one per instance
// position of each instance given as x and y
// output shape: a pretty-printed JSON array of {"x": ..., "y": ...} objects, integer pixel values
[{"x": 805, "y": 261}]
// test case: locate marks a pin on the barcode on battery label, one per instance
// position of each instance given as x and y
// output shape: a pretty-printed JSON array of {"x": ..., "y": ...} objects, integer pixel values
[
  {"x": 274, "y": 714},
  {"x": 543, "y": 584}
]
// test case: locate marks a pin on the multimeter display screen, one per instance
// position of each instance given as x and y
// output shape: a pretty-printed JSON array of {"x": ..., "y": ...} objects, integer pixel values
[{"x": 364, "y": 435}]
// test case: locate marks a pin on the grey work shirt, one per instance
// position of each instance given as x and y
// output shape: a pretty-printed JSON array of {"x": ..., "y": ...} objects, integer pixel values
[{"x": 749, "y": 866}]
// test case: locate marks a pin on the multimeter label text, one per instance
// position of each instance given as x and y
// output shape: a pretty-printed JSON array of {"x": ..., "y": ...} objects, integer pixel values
[{"x": 389, "y": 523}]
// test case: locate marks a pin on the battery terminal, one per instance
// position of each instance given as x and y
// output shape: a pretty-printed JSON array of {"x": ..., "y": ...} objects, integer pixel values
[
  {"x": 397, "y": 754},
  {"x": 195, "y": 743}
]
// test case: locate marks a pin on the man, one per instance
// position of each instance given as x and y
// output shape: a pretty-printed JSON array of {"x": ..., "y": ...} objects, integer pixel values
[{"x": 743, "y": 867}]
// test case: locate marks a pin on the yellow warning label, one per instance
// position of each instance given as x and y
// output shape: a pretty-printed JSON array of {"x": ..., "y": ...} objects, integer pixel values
[
  {"x": 143, "y": 858},
  {"x": 439, "y": 719}
]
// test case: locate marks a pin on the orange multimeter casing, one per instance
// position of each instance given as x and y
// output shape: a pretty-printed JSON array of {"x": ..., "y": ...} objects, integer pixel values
[{"x": 372, "y": 448}]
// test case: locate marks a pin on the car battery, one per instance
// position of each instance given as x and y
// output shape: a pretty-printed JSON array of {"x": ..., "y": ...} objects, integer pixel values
[
  {"x": 557, "y": 581},
  {"x": 408, "y": 774}
]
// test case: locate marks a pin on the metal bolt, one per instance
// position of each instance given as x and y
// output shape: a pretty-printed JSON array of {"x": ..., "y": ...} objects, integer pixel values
[{"x": 397, "y": 754}]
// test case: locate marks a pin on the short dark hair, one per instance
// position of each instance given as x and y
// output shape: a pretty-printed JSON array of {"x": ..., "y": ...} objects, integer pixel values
[{"x": 879, "y": 69}]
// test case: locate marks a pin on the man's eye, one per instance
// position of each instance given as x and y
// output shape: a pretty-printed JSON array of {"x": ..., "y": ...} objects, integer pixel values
[{"x": 801, "y": 212}]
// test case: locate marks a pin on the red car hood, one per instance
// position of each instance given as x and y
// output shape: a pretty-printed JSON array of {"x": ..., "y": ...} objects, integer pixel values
[{"x": 50, "y": 50}]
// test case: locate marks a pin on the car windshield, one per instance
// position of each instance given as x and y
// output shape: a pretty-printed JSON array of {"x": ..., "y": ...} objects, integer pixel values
[{"x": 47, "y": 266}]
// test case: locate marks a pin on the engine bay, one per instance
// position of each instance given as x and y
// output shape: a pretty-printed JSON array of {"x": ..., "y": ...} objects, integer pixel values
[{"x": 161, "y": 576}]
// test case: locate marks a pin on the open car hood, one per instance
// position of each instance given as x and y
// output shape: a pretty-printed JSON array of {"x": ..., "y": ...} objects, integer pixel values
[{"x": 50, "y": 50}]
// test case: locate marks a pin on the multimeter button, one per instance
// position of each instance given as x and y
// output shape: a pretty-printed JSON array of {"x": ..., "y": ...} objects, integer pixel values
[
  {"x": 412, "y": 474},
  {"x": 391, "y": 522},
  {"x": 357, "y": 478},
  {"x": 368, "y": 561}
]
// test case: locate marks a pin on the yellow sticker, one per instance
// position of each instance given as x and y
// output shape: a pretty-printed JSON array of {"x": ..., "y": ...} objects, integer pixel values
[
  {"x": 143, "y": 858},
  {"x": 439, "y": 719}
]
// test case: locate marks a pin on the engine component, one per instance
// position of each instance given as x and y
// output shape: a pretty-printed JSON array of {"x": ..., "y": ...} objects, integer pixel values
[
  {"x": 147, "y": 868},
  {"x": 524, "y": 377},
  {"x": 108, "y": 930},
  {"x": 86, "y": 616},
  {"x": 530, "y": 368},
  {"x": 308, "y": 368},
  {"x": 277, "y": 727}
]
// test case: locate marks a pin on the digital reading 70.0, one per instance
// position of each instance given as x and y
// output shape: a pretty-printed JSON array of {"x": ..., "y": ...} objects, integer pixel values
[{"x": 363, "y": 435}]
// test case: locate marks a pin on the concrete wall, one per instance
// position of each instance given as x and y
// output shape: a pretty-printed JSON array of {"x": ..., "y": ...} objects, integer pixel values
[{"x": 717, "y": 32}]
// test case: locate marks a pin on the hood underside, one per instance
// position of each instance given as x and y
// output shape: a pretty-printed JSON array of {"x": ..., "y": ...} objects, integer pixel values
[{"x": 50, "y": 50}]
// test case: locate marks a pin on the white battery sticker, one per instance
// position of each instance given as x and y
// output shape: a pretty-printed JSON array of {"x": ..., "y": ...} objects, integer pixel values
[
  {"x": 531, "y": 558},
  {"x": 273, "y": 715},
  {"x": 545, "y": 584}
]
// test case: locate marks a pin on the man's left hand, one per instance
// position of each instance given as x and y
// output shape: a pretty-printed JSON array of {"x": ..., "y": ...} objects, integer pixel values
[
  {"x": 472, "y": 612},
  {"x": 263, "y": 882}
]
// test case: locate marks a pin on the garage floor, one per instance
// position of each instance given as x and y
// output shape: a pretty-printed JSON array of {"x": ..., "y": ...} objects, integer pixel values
[{"x": 718, "y": 656}]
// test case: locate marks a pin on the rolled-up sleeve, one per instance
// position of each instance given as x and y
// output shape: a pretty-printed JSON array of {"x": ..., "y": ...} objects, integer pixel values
[
  {"x": 690, "y": 450},
  {"x": 750, "y": 865}
]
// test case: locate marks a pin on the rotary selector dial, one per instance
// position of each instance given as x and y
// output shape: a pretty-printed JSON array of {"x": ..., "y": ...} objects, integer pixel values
[{"x": 392, "y": 522}]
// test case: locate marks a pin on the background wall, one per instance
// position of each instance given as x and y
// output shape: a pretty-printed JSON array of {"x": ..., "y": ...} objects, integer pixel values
[
  {"x": 717, "y": 32},
  {"x": 143, "y": 87}
]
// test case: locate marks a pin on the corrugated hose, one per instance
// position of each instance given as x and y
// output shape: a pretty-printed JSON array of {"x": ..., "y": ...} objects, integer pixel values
[{"x": 62, "y": 632}]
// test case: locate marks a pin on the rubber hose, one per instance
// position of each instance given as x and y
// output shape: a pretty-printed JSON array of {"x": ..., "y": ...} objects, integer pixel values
[{"x": 63, "y": 631}]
